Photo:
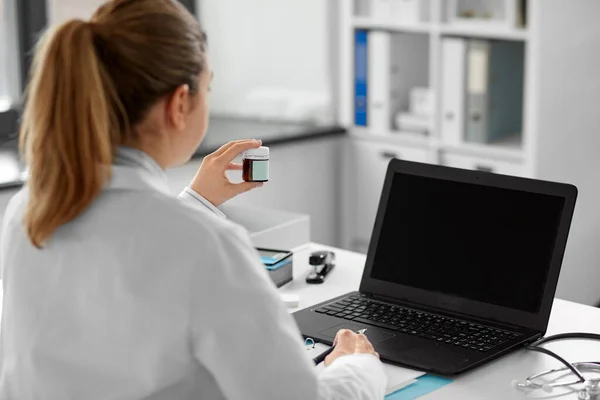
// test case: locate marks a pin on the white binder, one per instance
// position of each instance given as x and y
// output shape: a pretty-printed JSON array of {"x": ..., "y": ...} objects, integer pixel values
[
  {"x": 454, "y": 55},
  {"x": 476, "y": 125},
  {"x": 378, "y": 72}
]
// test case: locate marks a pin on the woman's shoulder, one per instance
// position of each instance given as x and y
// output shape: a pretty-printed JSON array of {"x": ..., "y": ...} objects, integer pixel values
[
  {"x": 15, "y": 205},
  {"x": 176, "y": 220}
]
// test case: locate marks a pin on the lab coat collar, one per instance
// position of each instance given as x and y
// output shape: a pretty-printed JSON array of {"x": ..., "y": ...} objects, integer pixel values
[{"x": 135, "y": 170}]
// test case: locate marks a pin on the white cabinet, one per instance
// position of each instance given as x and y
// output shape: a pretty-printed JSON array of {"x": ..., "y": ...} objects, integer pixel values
[
  {"x": 365, "y": 166},
  {"x": 483, "y": 164}
]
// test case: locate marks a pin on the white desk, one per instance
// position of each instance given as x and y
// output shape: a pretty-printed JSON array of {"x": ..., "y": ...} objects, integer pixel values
[{"x": 491, "y": 381}]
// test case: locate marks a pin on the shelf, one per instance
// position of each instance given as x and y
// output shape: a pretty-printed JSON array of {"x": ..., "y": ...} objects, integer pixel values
[
  {"x": 467, "y": 30},
  {"x": 480, "y": 31},
  {"x": 371, "y": 23},
  {"x": 414, "y": 139},
  {"x": 508, "y": 149}
]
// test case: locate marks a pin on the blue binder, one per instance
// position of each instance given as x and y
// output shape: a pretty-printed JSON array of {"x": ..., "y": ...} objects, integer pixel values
[{"x": 360, "y": 77}]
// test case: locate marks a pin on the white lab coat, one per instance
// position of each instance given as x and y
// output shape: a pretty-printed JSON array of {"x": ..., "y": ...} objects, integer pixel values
[{"x": 149, "y": 296}]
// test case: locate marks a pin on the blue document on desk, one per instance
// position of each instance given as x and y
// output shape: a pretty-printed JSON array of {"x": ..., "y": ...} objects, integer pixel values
[
  {"x": 423, "y": 385},
  {"x": 398, "y": 377}
]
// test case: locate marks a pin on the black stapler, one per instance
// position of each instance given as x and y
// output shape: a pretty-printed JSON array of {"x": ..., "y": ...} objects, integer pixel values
[{"x": 322, "y": 263}]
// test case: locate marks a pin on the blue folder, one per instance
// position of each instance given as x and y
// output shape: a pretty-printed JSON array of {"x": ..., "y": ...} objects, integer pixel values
[
  {"x": 424, "y": 385},
  {"x": 360, "y": 77}
]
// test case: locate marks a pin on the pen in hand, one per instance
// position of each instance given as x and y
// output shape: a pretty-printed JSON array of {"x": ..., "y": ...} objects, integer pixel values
[{"x": 321, "y": 357}]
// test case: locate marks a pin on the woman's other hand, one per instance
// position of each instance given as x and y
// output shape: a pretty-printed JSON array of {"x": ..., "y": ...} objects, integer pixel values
[
  {"x": 211, "y": 182},
  {"x": 347, "y": 342}
]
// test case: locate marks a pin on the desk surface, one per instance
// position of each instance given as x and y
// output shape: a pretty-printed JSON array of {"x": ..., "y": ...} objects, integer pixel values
[{"x": 492, "y": 381}]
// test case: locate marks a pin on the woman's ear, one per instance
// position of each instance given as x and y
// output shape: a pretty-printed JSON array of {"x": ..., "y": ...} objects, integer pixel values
[{"x": 178, "y": 107}]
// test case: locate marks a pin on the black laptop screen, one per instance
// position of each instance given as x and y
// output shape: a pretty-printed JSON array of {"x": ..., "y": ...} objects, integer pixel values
[{"x": 477, "y": 242}]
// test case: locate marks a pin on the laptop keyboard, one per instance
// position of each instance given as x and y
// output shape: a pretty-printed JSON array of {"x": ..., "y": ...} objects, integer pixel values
[{"x": 418, "y": 323}]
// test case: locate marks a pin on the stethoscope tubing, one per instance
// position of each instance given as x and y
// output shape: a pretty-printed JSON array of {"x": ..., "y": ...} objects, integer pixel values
[{"x": 572, "y": 367}]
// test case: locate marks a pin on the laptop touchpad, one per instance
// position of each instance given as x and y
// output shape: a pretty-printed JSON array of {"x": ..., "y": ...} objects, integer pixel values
[
  {"x": 433, "y": 356},
  {"x": 375, "y": 335}
]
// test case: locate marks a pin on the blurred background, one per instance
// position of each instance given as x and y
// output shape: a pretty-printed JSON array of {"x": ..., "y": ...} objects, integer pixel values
[{"x": 337, "y": 88}]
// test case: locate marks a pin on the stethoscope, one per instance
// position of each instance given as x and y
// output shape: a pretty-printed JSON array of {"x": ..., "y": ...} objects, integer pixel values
[{"x": 591, "y": 387}]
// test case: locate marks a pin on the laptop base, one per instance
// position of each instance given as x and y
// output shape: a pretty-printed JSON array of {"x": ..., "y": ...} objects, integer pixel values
[{"x": 403, "y": 349}]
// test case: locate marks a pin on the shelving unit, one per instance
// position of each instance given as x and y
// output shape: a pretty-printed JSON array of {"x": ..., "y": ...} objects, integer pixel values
[
  {"x": 474, "y": 31},
  {"x": 394, "y": 138},
  {"x": 371, "y": 23},
  {"x": 483, "y": 33},
  {"x": 558, "y": 141},
  {"x": 509, "y": 149}
]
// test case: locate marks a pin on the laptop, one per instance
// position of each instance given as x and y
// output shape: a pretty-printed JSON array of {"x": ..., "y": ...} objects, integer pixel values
[{"x": 462, "y": 268}]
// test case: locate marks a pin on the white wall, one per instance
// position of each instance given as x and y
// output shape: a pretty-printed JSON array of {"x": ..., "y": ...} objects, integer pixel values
[
  {"x": 568, "y": 110},
  {"x": 253, "y": 45},
  {"x": 265, "y": 43},
  {"x": 10, "y": 76},
  {"x": 61, "y": 10}
]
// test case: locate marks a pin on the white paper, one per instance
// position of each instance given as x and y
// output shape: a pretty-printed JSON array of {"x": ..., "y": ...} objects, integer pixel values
[
  {"x": 398, "y": 377},
  {"x": 378, "y": 88}
]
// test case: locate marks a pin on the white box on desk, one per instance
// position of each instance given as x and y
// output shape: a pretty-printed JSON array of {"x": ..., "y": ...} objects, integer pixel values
[{"x": 271, "y": 229}]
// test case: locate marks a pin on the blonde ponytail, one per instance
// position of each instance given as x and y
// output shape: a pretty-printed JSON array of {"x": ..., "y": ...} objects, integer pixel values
[
  {"x": 66, "y": 131},
  {"x": 92, "y": 83}
]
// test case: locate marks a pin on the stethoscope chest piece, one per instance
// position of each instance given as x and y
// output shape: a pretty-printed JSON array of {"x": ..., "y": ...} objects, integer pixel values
[{"x": 591, "y": 391}]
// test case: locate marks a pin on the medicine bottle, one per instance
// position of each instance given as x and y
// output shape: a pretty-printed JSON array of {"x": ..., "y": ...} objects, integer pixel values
[{"x": 256, "y": 165}]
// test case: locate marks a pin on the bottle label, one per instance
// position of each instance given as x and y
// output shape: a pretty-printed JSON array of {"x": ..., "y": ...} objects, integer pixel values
[{"x": 260, "y": 170}]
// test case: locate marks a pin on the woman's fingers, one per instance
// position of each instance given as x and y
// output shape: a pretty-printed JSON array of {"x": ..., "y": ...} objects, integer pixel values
[
  {"x": 231, "y": 150},
  {"x": 235, "y": 167},
  {"x": 346, "y": 340},
  {"x": 212, "y": 183},
  {"x": 237, "y": 148},
  {"x": 226, "y": 146},
  {"x": 364, "y": 346},
  {"x": 345, "y": 344}
]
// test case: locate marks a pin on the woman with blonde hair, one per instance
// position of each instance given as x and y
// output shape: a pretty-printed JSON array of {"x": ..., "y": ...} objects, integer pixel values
[{"x": 113, "y": 288}]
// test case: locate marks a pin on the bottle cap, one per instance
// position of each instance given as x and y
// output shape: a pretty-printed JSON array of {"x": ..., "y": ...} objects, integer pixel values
[{"x": 262, "y": 151}]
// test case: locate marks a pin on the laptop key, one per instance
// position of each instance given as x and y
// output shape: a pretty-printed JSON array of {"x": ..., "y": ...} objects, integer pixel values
[{"x": 331, "y": 313}]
